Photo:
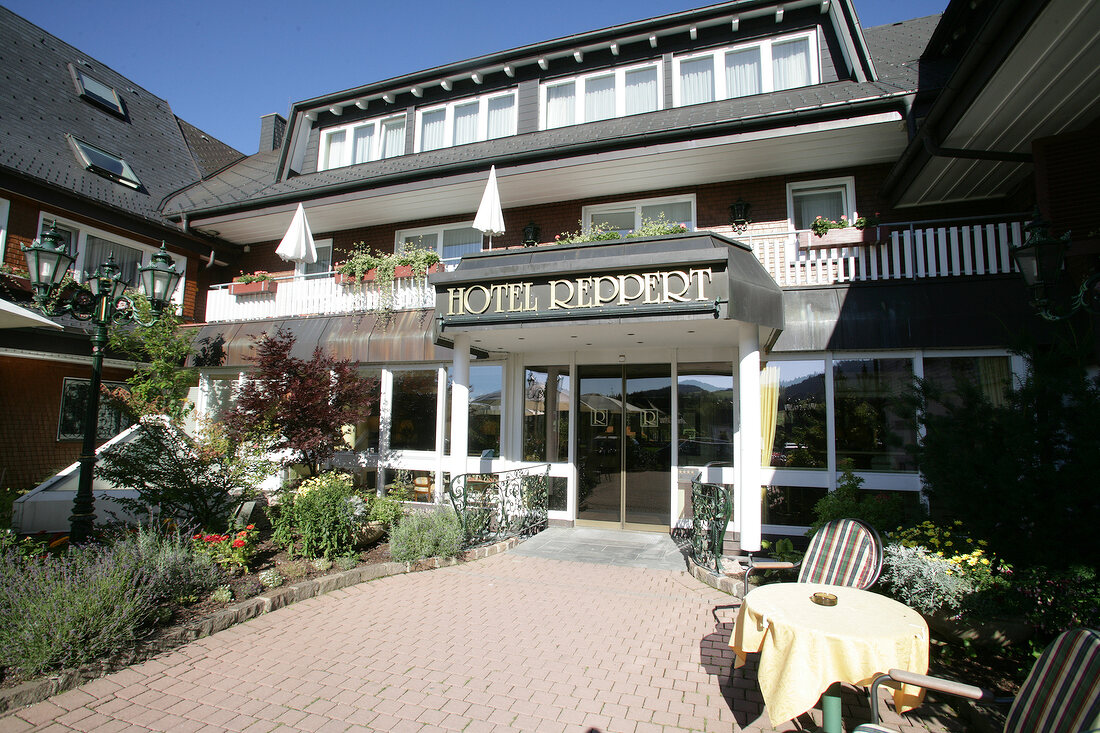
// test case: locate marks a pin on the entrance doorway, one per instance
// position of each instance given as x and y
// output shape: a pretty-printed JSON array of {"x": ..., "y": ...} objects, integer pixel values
[{"x": 624, "y": 446}]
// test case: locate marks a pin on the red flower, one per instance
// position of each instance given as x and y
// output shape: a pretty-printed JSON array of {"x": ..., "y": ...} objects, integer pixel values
[
  {"x": 251, "y": 526},
  {"x": 197, "y": 537},
  {"x": 238, "y": 543}
]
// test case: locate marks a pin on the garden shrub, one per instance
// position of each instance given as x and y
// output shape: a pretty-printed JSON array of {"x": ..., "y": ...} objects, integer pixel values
[
  {"x": 1053, "y": 600},
  {"x": 388, "y": 509},
  {"x": 426, "y": 534},
  {"x": 222, "y": 594},
  {"x": 321, "y": 516},
  {"x": 923, "y": 580},
  {"x": 62, "y": 611},
  {"x": 176, "y": 573},
  {"x": 880, "y": 510}
]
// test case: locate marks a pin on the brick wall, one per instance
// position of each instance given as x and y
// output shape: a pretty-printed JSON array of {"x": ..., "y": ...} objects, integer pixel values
[{"x": 30, "y": 392}]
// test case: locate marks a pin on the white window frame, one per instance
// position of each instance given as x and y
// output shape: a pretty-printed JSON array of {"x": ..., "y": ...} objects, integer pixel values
[
  {"x": 81, "y": 231},
  {"x": 637, "y": 204},
  {"x": 378, "y": 123},
  {"x": 620, "y": 90},
  {"x": 437, "y": 230},
  {"x": 482, "y": 119},
  {"x": 847, "y": 183},
  {"x": 320, "y": 244},
  {"x": 766, "y": 81}
]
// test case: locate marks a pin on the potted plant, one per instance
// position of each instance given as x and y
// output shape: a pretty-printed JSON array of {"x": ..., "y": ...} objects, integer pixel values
[
  {"x": 869, "y": 225},
  {"x": 253, "y": 283}
]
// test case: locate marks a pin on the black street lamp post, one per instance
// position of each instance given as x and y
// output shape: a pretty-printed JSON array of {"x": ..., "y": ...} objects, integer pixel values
[
  {"x": 1041, "y": 259},
  {"x": 48, "y": 260}
]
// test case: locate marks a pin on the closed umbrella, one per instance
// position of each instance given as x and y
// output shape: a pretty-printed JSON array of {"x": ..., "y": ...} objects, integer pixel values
[
  {"x": 12, "y": 316},
  {"x": 490, "y": 219},
  {"x": 297, "y": 244}
]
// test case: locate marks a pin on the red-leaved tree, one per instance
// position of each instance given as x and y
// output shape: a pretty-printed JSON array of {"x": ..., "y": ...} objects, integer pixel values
[{"x": 303, "y": 404}]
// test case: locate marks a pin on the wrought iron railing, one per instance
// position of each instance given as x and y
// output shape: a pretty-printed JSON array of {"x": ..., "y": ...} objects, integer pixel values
[
  {"x": 712, "y": 507},
  {"x": 494, "y": 506}
]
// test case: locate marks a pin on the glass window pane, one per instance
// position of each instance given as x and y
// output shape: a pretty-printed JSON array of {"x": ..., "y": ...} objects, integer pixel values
[
  {"x": 74, "y": 409},
  {"x": 810, "y": 203},
  {"x": 949, "y": 375},
  {"x": 432, "y": 129},
  {"x": 706, "y": 413},
  {"x": 791, "y": 505},
  {"x": 559, "y": 493},
  {"x": 561, "y": 105},
  {"x": 107, "y": 162},
  {"x": 697, "y": 81},
  {"x": 466, "y": 116},
  {"x": 324, "y": 260},
  {"x": 674, "y": 212},
  {"x": 334, "y": 149},
  {"x": 362, "y": 144},
  {"x": 412, "y": 416},
  {"x": 421, "y": 241},
  {"x": 364, "y": 435},
  {"x": 502, "y": 116},
  {"x": 486, "y": 385},
  {"x": 791, "y": 64},
  {"x": 599, "y": 98},
  {"x": 459, "y": 242},
  {"x": 546, "y": 414},
  {"x": 99, "y": 91},
  {"x": 870, "y": 429},
  {"x": 792, "y": 414},
  {"x": 393, "y": 138},
  {"x": 620, "y": 221},
  {"x": 743, "y": 72},
  {"x": 641, "y": 91},
  {"x": 98, "y": 250}
]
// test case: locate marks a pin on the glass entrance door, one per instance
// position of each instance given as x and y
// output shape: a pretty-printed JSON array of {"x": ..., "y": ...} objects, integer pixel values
[{"x": 624, "y": 445}]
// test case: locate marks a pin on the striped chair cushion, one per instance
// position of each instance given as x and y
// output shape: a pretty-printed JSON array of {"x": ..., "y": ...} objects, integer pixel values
[
  {"x": 1062, "y": 692},
  {"x": 843, "y": 552}
]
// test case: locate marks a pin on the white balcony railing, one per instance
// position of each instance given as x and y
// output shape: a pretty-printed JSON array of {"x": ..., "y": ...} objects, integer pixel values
[{"x": 946, "y": 248}]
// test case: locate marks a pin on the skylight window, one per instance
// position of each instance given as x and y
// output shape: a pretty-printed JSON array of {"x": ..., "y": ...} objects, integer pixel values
[
  {"x": 99, "y": 93},
  {"x": 106, "y": 164}
]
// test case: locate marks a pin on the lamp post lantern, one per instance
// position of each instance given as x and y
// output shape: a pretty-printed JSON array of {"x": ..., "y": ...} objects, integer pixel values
[
  {"x": 1040, "y": 259},
  {"x": 107, "y": 303}
]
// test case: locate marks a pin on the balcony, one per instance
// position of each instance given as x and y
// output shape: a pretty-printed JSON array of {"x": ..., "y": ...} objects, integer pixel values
[{"x": 894, "y": 251}]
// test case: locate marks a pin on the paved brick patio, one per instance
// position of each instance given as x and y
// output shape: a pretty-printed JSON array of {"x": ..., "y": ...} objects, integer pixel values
[{"x": 509, "y": 643}]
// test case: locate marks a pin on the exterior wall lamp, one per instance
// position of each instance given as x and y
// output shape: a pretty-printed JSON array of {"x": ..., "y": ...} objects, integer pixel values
[
  {"x": 104, "y": 303},
  {"x": 1041, "y": 259},
  {"x": 739, "y": 215},
  {"x": 531, "y": 234}
]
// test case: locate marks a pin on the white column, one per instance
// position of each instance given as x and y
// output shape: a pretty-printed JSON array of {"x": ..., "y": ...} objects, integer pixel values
[
  {"x": 748, "y": 372},
  {"x": 460, "y": 404}
]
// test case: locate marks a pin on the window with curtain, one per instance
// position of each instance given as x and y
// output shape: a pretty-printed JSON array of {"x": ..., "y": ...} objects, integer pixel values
[
  {"x": 627, "y": 216},
  {"x": 641, "y": 91},
  {"x": 792, "y": 411},
  {"x": 791, "y": 64},
  {"x": 486, "y": 389},
  {"x": 560, "y": 105},
  {"x": 324, "y": 259},
  {"x": 466, "y": 123},
  {"x": 697, "y": 81},
  {"x": 334, "y": 149},
  {"x": 362, "y": 142},
  {"x": 468, "y": 120},
  {"x": 128, "y": 259},
  {"x": 393, "y": 138},
  {"x": 951, "y": 375},
  {"x": 828, "y": 199},
  {"x": 743, "y": 72},
  {"x": 502, "y": 117},
  {"x": 449, "y": 241},
  {"x": 599, "y": 98},
  {"x": 433, "y": 129}
]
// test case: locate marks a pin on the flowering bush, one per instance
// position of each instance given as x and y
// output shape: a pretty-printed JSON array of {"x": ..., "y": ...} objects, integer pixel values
[
  {"x": 232, "y": 551},
  {"x": 964, "y": 556},
  {"x": 658, "y": 227},
  {"x": 821, "y": 226},
  {"x": 320, "y": 517},
  {"x": 923, "y": 580},
  {"x": 254, "y": 277},
  {"x": 862, "y": 222}
]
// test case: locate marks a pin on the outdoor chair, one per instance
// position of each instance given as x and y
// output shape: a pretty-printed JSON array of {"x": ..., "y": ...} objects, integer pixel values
[
  {"x": 843, "y": 552},
  {"x": 1060, "y": 695}
]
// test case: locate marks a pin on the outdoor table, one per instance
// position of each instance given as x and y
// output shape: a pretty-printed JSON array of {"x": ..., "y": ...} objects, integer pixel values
[{"x": 806, "y": 649}]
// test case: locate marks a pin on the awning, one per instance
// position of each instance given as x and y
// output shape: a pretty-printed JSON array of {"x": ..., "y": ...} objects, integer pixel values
[{"x": 402, "y": 336}]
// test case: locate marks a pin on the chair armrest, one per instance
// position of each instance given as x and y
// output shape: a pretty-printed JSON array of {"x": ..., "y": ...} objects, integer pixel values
[
  {"x": 771, "y": 565},
  {"x": 928, "y": 682}
]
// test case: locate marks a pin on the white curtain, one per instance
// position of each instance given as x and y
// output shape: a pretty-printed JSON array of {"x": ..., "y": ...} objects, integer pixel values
[
  {"x": 743, "y": 72},
  {"x": 599, "y": 98},
  {"x": 791, "y": 64},
  {"x": 560, "y": 105},
  {"x": 393, "y": 138},
  {"x": 458, "y": 242},
  {"x": 334, "y": 151},
  {"x": 502, "y": 116},
  {"x": 361, "y": 143},
  {"x": 466, "y": 116},
  {"x": 641, "y": 91},
  {"x": 98, "y": 250},
  {"x": 811, "y": 204},
  {"x": 697, "y": 81},
  {"x": 432, "y": 130}
]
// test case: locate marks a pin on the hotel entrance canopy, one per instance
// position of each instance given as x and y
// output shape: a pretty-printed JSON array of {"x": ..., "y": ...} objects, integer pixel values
[{"x": 673, "y": 291}]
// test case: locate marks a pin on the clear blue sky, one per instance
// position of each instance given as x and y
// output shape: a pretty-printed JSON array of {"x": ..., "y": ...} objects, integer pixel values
[{"x": 221, "y": 65}]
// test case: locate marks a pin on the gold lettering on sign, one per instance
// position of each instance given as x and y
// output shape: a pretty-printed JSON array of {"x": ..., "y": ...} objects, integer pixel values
[{"x": 555, "y": 301}]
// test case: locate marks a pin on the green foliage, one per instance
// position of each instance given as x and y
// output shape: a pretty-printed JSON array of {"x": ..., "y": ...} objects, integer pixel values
[
  {"x": 259, "y": 276},
  {"x": 320, "y": 517},
  {"x": 426, "y": 534},
  {"x": 923, "y": 580},
  {"x": 198, "y": 481},
  {"x": 302, "y": 404},
  {"x": 388, "y": 509},
  {"x": 1021, "y": 474},
  {"x": 62, "y": 611},
  {"x": 1053, "y": 600},
  {"x": 362, "y": 260},
  {"x": 295, "y": 569},
  {"x": 160, "y": 385},
  {"x": 175, "y": 572},
  {"x": 849, "y": 501},
  {"x": 347, "y": 562},
  {"x": 231, "y": 551},
  {"x": 821, "y": 226},
  {"x": 321, "y": 564},
  {"x": 782, "y": 550},
  {"x": 658, "y": 227},
  {"x": 7, "y": 500}
]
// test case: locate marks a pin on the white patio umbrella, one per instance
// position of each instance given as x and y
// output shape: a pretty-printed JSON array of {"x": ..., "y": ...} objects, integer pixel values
[
  {"x": 490, "y": 219},
  {"x": 12, "y": 316},
  {"x": 297, "y": 244}
]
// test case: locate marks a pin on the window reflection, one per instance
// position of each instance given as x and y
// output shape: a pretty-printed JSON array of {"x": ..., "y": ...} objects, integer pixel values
[
  {"x": 546, "y": 414},
  {"x": 871, "y": 430},
  {"x": 486, "y": 386},
  {"x": 793, "y": 414},
  {"x": 706, "y": 413},
  {"x": 413, "y": 410}
]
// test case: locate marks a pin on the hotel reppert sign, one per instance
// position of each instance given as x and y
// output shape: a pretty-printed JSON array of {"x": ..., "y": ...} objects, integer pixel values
[{"x": 607, "y": 295}]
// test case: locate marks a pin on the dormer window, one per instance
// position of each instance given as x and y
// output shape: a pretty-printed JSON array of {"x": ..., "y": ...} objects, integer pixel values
[
  {"x": 601, "y": 95},
  {"x": 768, "y": 65},
  {"x": 361, "y": 142},
  {"x": 98, "y": 93},
  {"x": 105, "y": 164},
  {"x": 465, "y": 121}
]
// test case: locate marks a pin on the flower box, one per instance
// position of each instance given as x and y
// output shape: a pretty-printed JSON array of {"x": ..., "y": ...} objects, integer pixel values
[
  {"x": 399, "y": 271},
  {"x": 342, "y": 279},
  {"x": 253, "y": 288},
  {"x": 17, "y": 282}
]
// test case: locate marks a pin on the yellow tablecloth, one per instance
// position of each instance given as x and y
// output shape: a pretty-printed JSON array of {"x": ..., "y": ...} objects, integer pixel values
[{"x": 805, "y": 647}]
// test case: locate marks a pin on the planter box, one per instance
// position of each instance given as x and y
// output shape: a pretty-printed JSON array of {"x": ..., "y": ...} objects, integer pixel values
[
  {"x": 399, "y": 271},
  {"x": 17, "y": 283},
  {"x": 342, "y": 279},
  {"x": 262, "y": 286}
]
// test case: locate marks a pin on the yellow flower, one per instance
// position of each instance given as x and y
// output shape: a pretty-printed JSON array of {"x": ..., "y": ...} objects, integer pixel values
[
  {"x": 984, "y": 561},
  {"x": 948, "y": 543}
]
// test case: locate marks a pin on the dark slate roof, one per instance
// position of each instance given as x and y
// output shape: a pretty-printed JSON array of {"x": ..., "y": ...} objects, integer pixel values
[
  {"x": 210, "y": 153},
  {"x": 41, "y": 106},
  {"x": 895, "y": 48}
]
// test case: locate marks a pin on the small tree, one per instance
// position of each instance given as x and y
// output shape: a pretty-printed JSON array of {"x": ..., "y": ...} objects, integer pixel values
[{"x": 304, "y": 404}]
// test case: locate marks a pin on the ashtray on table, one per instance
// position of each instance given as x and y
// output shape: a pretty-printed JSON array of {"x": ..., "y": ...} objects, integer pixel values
[{"x": 823, "y": 599}]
